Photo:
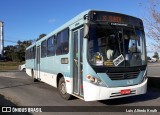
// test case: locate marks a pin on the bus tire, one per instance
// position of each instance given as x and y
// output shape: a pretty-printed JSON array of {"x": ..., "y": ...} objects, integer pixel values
[
  {"x": 24, "y": 69},
  {"x": 62, "y": 89},
  {"x": 34, "y": 79}
]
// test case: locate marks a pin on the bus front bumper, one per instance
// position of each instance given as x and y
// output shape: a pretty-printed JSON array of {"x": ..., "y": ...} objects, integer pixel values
[{"x": 93, "y": 92}]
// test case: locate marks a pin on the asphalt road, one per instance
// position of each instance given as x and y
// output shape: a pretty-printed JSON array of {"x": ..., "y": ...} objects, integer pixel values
[
  {"x": 154, "y": 69},
  {"x": 19, "y": 89}
]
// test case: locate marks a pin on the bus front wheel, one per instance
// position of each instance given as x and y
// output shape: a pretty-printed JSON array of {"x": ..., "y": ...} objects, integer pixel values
[{"x": 62, "y": 89}]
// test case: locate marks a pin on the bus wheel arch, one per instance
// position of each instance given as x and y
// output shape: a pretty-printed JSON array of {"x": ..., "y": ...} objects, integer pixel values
[
  {"x": 59, "y": 76},
  {"x": 33, "y": 77},
  {"x": 24, "y": 69},
  {"x": 32, "y": 73},
  {"x": 61, "y": 85}
]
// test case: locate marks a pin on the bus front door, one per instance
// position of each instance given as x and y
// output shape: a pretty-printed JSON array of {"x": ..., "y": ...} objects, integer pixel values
[
  {"x": 38, "y": 63},
  {"x": 78, "y": 62}
]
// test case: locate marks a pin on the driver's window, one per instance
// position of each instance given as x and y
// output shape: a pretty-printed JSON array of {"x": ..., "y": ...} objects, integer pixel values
[{"x": 132, "y": 46}]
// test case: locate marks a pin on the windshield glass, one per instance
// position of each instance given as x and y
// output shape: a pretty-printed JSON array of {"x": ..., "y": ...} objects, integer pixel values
[{"x": 116, "y": 46}]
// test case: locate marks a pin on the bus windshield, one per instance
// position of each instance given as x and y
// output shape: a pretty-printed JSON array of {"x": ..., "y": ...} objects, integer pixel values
[{"x": 116, "y": 46}]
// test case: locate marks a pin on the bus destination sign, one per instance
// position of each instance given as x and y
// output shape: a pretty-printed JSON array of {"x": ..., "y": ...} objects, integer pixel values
[
  {"x": 107, "y": 17},
  {"x": 114, "y": 18},
  {"x": 110, "y": 18}
]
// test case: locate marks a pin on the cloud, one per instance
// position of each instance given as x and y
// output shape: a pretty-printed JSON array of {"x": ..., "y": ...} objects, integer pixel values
[{"x": 51, "y": 21}]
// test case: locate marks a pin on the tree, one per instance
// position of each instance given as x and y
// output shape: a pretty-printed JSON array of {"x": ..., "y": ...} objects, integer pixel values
[
  {"x": 156, "y": 55},
  {"x": 8, "y": 52},
  {"x": 152, "y": 22},
  {"x": 17, "y": 52},
  {"x": 21, "y": 49},
  {"x": 41, "y": 36}
]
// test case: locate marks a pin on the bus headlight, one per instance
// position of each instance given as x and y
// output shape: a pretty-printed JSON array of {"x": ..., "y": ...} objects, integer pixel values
[
  {"x": 144, "y": 76},
  {"x": 95, "y": 81}
]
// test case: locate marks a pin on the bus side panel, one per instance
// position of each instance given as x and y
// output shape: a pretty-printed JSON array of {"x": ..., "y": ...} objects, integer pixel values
[
  {"x": 29, "y": 66},
  {"x": 28, "y": 71},
  {"x": 49, "y": 78},
  {"x": 51, "y": 66}
]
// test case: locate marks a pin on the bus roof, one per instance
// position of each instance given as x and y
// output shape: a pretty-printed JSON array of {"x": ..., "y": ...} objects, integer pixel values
[{"x": 76, "y": 18}]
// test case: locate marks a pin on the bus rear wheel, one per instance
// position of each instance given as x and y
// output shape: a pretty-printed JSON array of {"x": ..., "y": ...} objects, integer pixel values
[{"x": 62, "y": 89}]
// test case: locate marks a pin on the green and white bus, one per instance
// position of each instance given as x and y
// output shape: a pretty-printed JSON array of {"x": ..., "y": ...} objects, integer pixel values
[{"x": 97, "y": 55}]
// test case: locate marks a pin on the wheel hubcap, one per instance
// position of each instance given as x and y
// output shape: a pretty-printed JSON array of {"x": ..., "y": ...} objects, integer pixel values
[{"x": 63, "y": 88}]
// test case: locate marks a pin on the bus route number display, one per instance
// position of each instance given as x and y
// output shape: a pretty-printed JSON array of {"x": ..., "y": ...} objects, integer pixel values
[
  {"x": 107, "y": 17},
  {"x": 112, "y": 18}
]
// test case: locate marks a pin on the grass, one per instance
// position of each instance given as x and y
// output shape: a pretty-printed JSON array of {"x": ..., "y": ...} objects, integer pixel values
[{"x": 9, "y": 65}]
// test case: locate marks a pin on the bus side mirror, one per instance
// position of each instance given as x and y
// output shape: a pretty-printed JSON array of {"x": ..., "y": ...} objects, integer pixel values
[{"x": 86, "y": 30}]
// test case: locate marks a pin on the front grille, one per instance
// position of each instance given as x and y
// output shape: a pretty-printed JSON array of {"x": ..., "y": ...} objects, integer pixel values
[{"x": 122, "y": 76}]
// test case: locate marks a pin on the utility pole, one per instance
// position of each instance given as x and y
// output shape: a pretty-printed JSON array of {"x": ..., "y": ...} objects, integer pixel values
[{"x": 1, "y": 39}]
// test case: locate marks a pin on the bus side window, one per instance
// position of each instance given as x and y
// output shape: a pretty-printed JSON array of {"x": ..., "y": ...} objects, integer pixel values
[
  {"x": 59, "y": 44},
  {"x": 50, "y": 46},
  {"x": 63, "y": 42},
  {"x": 43, "y": 49},
  {"x": 30, "y": 53}
]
